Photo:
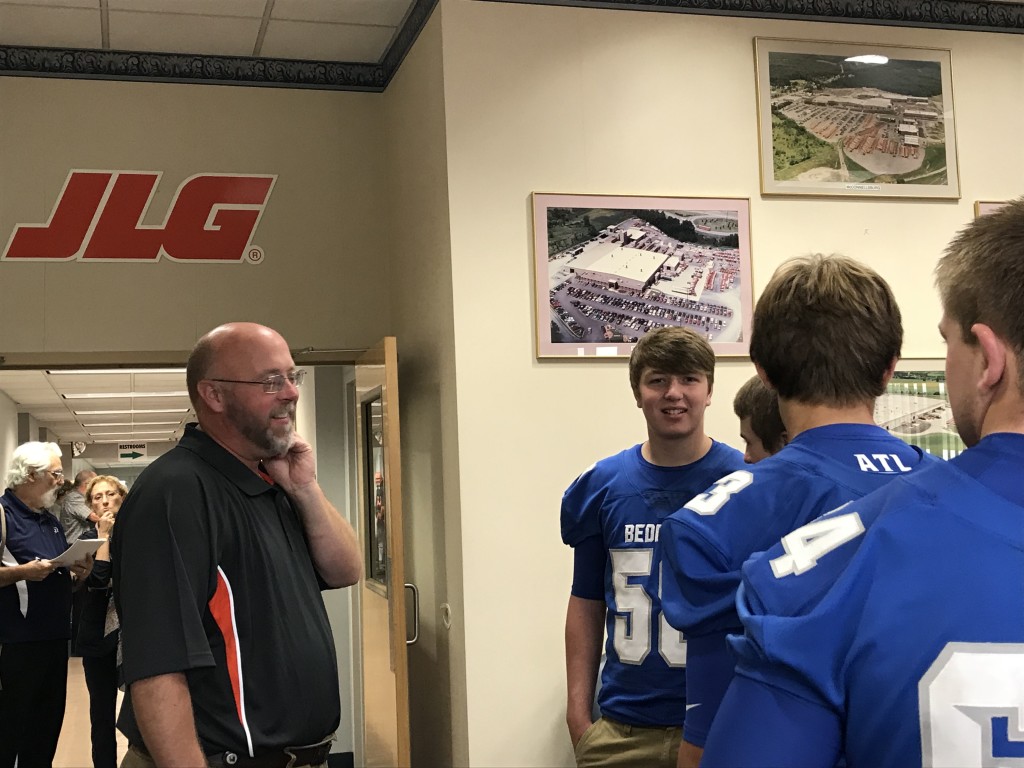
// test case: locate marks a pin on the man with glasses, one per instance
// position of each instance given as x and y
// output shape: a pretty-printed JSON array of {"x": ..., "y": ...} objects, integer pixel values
[
  {"x": 222, "y": 548},
  {"x": 35, "y": 609}
]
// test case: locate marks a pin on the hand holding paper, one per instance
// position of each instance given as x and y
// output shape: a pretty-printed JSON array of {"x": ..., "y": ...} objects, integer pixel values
[{"x": 78, "y": 551}]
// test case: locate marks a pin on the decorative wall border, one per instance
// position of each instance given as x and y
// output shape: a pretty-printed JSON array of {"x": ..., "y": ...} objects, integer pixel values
[
  {"x": 218, "y": 70},
  {"x": 968, "y": 15}
]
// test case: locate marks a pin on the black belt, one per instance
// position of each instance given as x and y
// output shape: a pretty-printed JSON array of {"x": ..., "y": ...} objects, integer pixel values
[{"x": 289, "y": 757}]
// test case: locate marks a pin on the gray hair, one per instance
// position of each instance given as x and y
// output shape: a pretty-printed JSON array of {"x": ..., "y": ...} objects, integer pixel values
[{"x": 28, "y": 459}]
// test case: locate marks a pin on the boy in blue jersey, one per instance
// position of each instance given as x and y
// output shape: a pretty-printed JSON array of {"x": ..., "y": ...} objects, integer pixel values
[
  {"x": 827, "y": 393},
  {"x": 611, "y": 516},
  {"x": 904, "y": 645},
  {"x": 756, "y": 405}
]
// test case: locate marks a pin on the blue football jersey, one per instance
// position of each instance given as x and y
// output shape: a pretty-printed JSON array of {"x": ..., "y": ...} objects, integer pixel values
[
  {"x": 899, "y": 646},
  {"x": 623, "y": 500},
  {"x": 706, "y": 542}
]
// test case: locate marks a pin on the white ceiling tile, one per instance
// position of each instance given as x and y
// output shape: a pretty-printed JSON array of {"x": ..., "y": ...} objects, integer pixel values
[
  {"x": 55, "y": 3},
  {"x": 22, "y": 378},
  {"x": 174, "y": 33},
  {"x": 50, "y": 27},
  {"x": 247, "y": 8},
  {"x": 39, "y": 393},
  {"x": 90, "y": 382},
  {"x": 387, "y": 13},
  {"x": 104, "y": 404},
  {"x": 160, "y": 402},
  {"x": 327, "y": 42},
  {"x": 159, "y": 382}
]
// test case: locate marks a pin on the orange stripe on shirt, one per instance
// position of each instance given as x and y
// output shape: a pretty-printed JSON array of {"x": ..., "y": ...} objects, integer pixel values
[{"x": 222, "y": 610}]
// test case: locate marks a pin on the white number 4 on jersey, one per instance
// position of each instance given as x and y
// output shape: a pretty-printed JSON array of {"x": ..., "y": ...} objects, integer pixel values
[{"x": 807, "y": 544}]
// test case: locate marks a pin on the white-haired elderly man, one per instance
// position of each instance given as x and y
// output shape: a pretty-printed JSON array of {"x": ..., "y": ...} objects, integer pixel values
[{"x": 35, "y": 609}]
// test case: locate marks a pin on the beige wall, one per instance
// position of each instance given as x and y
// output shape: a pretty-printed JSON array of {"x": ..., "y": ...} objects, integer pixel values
[
  {"x": 8, "y": 433},
  {"x": 321, "y": 231},
  {"x": 548, "y": 109},
  {"x": 421, "y": 294}
]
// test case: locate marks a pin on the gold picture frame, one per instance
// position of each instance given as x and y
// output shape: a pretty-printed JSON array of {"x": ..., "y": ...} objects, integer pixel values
[{"x": 983, "y": 207}]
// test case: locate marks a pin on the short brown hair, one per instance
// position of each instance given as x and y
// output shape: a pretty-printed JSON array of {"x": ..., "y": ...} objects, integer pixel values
[
  {"x": 672, "y": 350},
  {"x": 980, "y": 277},
  {"x": 826, "y": 329},
  {"x": 760, "y": 404}
]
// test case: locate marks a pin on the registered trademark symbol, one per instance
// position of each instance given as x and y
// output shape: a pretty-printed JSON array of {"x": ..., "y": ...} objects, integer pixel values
[{"x": 255, "y": 255}]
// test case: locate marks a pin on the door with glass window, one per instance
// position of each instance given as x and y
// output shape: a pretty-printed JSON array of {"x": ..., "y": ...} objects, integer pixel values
[{"x": 383, "y": 589}]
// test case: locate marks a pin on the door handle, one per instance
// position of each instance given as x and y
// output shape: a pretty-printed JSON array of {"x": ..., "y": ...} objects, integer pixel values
[{"x": 415, "y": 613}]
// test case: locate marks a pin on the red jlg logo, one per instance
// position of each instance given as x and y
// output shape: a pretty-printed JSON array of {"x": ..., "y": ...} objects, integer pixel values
[{"x": 99, "y": 214}]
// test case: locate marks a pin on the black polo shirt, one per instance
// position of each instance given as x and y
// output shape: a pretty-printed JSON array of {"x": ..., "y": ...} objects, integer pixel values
[
  {"x": 33, "y": 610},
  {"x": 213, "y": 578}
]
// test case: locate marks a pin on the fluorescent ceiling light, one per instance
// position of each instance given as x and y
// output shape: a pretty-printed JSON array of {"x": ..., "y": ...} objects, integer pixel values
[
  {"x": 112, "y": 395},
  {"x": 869, "y": 58},
  {"x": 148, "y": 440},
  {"x": 132, "y": 433},
  {"x": 79, "y": 372},
  {"x": 134, "y": 410},
  {"x": 132, "y": 424}
]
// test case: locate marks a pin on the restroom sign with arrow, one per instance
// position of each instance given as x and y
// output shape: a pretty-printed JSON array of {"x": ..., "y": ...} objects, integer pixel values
[{"x": 131, "y": 451}]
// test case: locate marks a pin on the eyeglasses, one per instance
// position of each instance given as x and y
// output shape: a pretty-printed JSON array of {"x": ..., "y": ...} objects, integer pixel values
[
  {"x": 57, "y": 474},
  {"x": 272, "y": 384}
]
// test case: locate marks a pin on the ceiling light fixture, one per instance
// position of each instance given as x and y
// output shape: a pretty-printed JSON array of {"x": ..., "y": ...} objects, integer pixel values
[
  {"x": 133, "y": 424},
  {"x": 149, "y": 440},
  {"x": 134, "y": 433},
  {"x": 132, "y": 411},
  {"x": 108, "y": 371},
  {"x": 114, "y": 395}
]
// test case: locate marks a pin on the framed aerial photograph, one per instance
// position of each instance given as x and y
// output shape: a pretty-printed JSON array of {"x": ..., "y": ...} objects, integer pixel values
[
  {"x": 915, "y": 408},
  {"x": 855, "y": 119},
  {"x": 609, "y": 269},
  {"x": 982, "y": 207}
]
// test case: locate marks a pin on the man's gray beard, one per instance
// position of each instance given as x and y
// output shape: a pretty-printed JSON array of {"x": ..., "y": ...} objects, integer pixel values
[
  {"x": 280, "y": 444},
  {"x": 262, "y": 437},
  {"x": 48, "y": 500}
]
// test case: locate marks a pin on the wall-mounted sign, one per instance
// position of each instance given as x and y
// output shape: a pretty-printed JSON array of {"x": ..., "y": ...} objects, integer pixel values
[
  {"x": 132, "y": 451},
  {"x": 98, "y": 217}
]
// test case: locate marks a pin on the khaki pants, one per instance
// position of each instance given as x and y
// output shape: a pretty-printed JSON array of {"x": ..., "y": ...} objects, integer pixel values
[
  {"x": 134, "y": 758},
  {"x": 610, "y": 744}
]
